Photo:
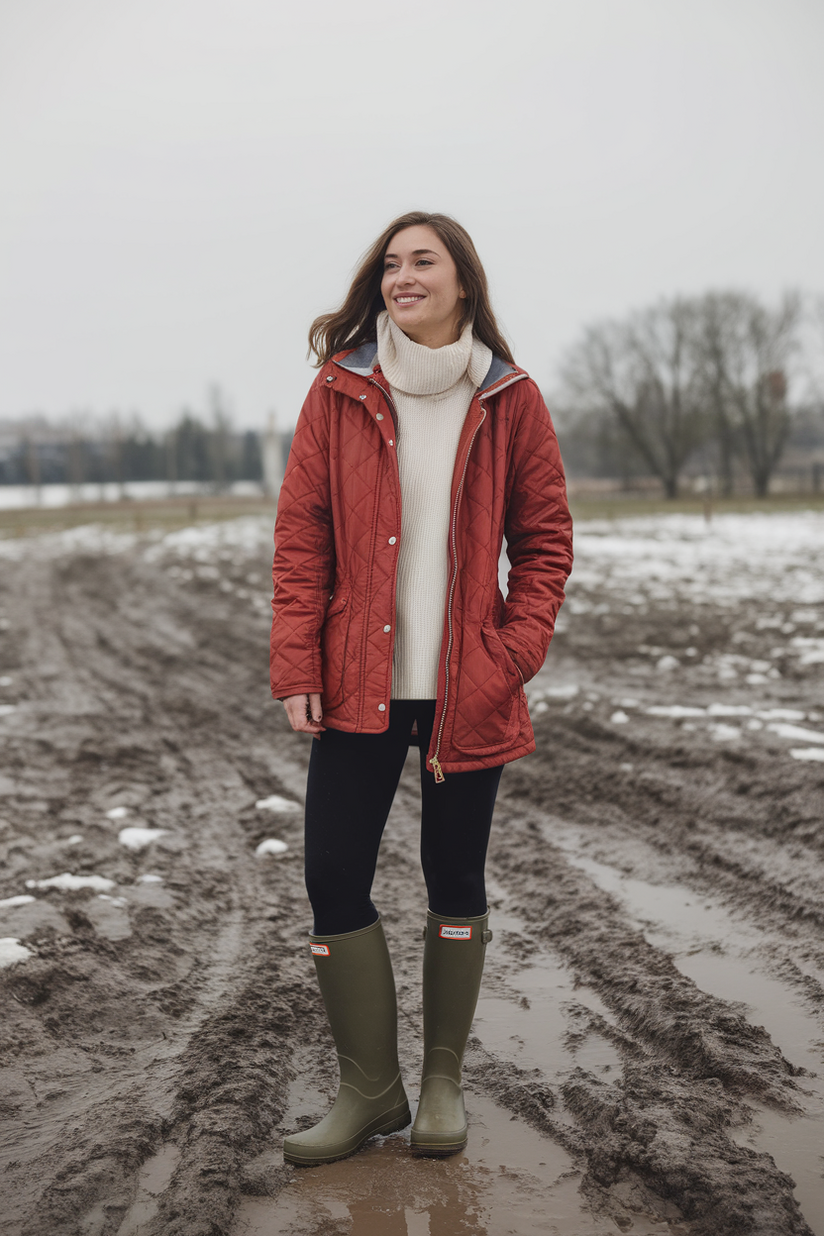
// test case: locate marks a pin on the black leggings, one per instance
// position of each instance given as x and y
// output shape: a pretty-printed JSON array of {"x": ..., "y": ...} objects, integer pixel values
[{"x": 352, "y": 782}]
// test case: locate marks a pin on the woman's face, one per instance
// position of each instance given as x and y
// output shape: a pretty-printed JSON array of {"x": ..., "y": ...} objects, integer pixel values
[{"x": 420, "y": 287}]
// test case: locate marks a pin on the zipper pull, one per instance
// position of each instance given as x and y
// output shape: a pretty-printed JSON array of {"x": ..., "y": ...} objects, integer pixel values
[{"x": 439, "y": 773}]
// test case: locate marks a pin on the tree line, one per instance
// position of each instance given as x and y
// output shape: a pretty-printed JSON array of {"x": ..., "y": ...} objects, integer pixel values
[
  {"x": 116, "y": 449},
  {"x": 715, "y": 385},
  {"x": 702, "y": 381}
]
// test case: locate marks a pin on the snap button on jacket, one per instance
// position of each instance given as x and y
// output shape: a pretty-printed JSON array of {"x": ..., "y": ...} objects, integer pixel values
[{"x": 336, "y": 554}]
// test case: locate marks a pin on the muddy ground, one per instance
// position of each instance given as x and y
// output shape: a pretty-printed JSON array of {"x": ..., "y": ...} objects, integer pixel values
[{"x": 648, "y": 1052}]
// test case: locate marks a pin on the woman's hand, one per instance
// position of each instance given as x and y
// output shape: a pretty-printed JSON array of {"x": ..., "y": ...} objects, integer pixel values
[{"x": 304, "y": 713}]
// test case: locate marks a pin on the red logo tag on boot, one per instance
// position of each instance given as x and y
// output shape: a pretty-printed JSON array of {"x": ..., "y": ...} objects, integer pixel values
[
  {"x": 320, "y": 950},
  {"x": 450, "y": 931}
]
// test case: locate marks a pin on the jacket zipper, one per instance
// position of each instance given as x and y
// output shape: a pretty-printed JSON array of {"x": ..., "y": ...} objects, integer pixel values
[
  {"x": 387, "y": 396},
  {"x": 435, "y": 761}
]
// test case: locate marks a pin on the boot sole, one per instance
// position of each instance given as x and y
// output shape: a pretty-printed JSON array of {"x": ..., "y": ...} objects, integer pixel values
[
  {"x": 392, "y": 1125},
  {"x": 437, "y": 1150}
]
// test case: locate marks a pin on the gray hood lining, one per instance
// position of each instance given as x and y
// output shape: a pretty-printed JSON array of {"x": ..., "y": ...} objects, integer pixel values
[{"x": 363, "y": 360}]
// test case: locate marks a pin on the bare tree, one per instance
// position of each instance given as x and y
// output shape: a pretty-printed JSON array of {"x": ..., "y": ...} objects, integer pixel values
[
  {"x": 646, "y": 372},
  {"x": 747, "y": 350}
]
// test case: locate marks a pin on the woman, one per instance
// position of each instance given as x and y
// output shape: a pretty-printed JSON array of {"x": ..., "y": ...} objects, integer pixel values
[{"x": 421, "y": 444}]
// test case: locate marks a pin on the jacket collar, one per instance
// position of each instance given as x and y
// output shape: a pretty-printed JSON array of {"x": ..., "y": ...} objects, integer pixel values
[{"x": 362, "y": 361}]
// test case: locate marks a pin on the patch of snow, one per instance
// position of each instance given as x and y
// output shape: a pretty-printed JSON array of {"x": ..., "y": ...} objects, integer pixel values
[
  {"x": 276, "y": 803},
  {"x": 75, "y": 839},
  {"x": 619, "y": 717},
  {"x": 149, "y": 879},
  {"x": 7, "y": 709},
  {"x": 675, "y": 711},
  {"x": 87, "y": 538},
  {"x": 626, "y": 767},
  {"x": 272, "y": 845},
  {"x": 808, "y": 753},
  {"x": 541, "y": 706},
  {"x": 666, "y": 664},
  {"x": 138, "y": 838},
  {"x": 12, "y": 951},
  {"x": 729, "y": 710},
  {"x": 247, "y": 534},
  {"x": 795, "y": 731},
  {"x": 780, "y": 714},
  {"x": 5, "y": 681},
  {"x": 117, "y": 813},
  {"x": 753, "y": 724},
  {"x": 22, "y": 899},
  {"x": 724, "y": 733},
  {"x": 562, "y": 691},
  {"x": 71, "y": 883},
  {"x": 735, "y": 558},
  {"x": 116, "y": 901},
  {"x": 804, "y": 615}
]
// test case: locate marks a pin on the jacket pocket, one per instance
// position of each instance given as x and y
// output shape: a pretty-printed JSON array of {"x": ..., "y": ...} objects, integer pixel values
[
  {"x": 333, "y": 641},
  {"x": 487, "y": 696}
]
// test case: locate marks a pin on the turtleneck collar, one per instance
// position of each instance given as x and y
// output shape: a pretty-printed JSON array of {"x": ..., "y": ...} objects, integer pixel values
[{"x": 417, "y": 370}]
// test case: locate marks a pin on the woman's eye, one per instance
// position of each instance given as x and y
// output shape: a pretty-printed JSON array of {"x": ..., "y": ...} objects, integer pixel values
[{"x": 424, "y": 262}]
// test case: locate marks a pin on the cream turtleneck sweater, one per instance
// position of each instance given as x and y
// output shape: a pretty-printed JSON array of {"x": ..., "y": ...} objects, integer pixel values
[{"x": 432, "y": 389}]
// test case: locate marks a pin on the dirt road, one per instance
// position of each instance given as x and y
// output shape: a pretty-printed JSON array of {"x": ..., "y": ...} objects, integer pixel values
[{"x": 648, "y": 1054}]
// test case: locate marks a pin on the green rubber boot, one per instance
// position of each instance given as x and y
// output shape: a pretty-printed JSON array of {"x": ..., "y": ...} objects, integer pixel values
[
  {"x": 453, "y": 961},
  {"x": 355, "y": 978}
]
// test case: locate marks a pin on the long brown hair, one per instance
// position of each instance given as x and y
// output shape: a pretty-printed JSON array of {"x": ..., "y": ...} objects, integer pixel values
[{"x": 354, "y": 323}]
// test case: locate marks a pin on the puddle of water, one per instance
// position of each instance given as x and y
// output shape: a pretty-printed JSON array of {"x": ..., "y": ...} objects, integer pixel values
[
  {"x": 532, "y": 1035},
  {"x": 796, "y": 1143},
  {"x": 715, "y": 950},
  {"x": 509, "y": 1180},
  {"x": 530, "y": 1027},
  {"x": 670, "y": 907},
  {"x": 796, "y": 1147},
  {"x": 154, "y": 1177}
]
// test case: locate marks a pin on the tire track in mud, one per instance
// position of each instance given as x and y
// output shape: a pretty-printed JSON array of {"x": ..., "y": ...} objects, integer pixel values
[
  {"x": 690, "y": 1061},
  {"x": 184, "y": 950},
  {"x": 172, "y": 1030}
]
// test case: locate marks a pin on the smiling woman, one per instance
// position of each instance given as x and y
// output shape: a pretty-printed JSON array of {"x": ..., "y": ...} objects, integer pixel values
[
  {"x": 421, "y": 289},
  {"x": 420, "y": 446},
  {"x": 354, "y": 323}
]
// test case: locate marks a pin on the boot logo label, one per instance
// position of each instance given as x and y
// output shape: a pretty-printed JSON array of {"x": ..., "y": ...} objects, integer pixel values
[
  {"x": 320, "y": 950},
  {"x": 449, "y": 931}
]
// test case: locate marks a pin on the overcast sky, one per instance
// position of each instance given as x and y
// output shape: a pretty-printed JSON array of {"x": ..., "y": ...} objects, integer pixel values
[{"x": 187, "y": 183}]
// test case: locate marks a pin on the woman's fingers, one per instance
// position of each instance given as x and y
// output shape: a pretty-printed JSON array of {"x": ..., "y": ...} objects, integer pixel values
[{"x": 304, "y": 713}]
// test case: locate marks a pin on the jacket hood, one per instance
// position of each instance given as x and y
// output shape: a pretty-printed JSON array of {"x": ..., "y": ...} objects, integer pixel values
[{"x": 363, "y": 360}]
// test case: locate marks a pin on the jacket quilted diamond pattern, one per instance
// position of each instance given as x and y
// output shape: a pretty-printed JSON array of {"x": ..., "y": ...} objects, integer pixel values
[{"x": 337, "y": 538}]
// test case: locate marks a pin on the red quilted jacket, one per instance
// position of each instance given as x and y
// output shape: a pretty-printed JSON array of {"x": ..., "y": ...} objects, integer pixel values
[{"x": 336, "y": 554}]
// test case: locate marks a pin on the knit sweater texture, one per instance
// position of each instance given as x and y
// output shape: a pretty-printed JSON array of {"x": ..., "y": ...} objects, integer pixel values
[{"x": 432, "y": 389}]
